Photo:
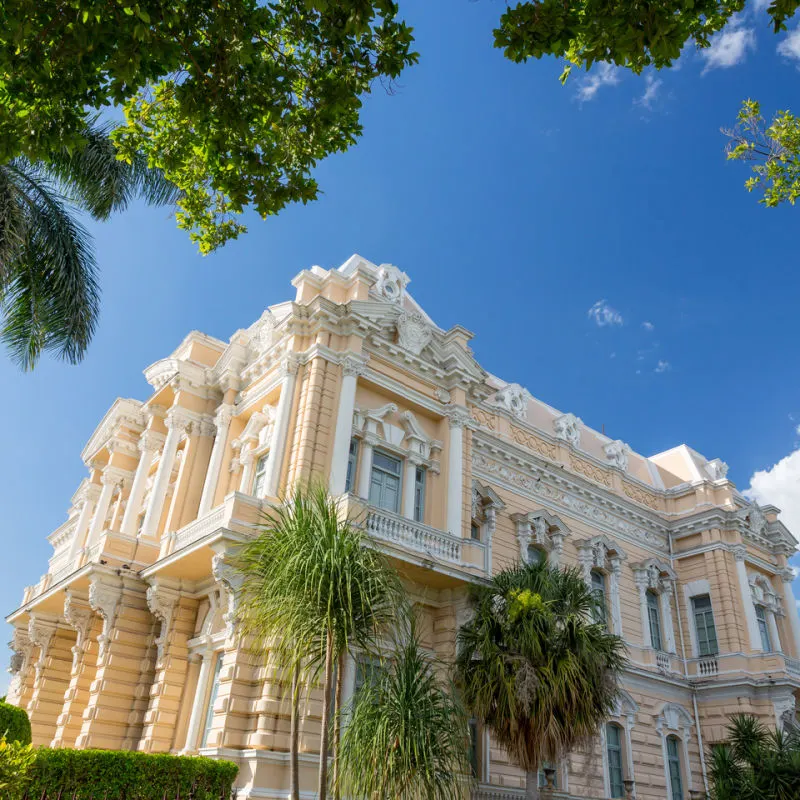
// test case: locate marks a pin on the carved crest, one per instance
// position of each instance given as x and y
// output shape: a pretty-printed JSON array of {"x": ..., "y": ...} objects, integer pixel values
[
  {"x": 617, "y": 454},
  {"x": 513, "y": 398},
  {"x": 568, "y": 428},
  {"x": 413, "y": 332},
  {"x": 717, "y": 469}
]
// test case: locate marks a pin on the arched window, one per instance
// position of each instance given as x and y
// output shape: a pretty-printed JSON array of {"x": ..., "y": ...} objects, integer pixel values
[
  {"x": 654, "y": 619},
  {"x": 674, "y": 768},
  {"x": 616, "y": 775},
  {"x": 599, "y": 592}
]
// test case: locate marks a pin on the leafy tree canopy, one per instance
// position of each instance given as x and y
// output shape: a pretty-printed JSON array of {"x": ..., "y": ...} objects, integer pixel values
[
  {"x": 235, "y": 100},
  {"x": 631, "y": 35}
]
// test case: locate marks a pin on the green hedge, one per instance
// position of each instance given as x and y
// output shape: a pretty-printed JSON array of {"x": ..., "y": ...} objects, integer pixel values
[
  {"x": 14, "y": 724},
  {"x": 118, "y": 774}
]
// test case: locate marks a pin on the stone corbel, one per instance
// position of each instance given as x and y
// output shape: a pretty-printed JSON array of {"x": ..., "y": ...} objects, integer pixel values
[
  {"x": 524, "y": 534},
  {"x": 161, "y": 600},
  {"x": 230, "y": 580},
  {"x": 40, "y": 633},
  {"x": 79, "y": 617},
  {"x": 104, "y": 598}
]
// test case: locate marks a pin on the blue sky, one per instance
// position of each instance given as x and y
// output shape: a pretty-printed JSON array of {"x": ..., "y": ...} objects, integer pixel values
[{"x": 516, "y": 205}]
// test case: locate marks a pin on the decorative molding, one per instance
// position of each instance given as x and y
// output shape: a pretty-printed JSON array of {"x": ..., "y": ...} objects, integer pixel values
[
  {"x": 591, "y": 471},
  {"x": 640, "y": 495},
  {"x": 514, "y": 399},
  {"x": 104, "y": 598},
  {"x": 230, "y": 580},
  {"x": 533, "y": 442},
  {"x": 353, "y": 366},
  {"x": 78, "y": 616},
  {"x": 617, "y": 453},
  {"x": 413, "y": 331},
  {"x": 161, "y": 601},
  {"x": 717, "y": 469},
  {"x": 567, "y": 427},
  {"x": 484, "y": 418}
]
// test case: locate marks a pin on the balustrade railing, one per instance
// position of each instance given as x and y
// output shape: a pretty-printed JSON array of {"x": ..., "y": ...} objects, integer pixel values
[
  {"x": 410, "y": 535},
  {"x": 663, "y": 661},
  {"x": 707, "y": 666}
]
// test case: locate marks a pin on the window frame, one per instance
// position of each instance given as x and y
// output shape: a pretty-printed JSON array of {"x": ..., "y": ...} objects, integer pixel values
[
  {"x": 420, "y": 487},
  {"x": 618, "y": 748},
  {"x": 213, "y": 692},
  {"x": 763, "y": 627},
  {"x": 674, "y": 760},
  {"x": 352, "y": 465},
  {"x": 385, "y": 473},
  {"x": 653, "y": 602},
  {"x": 707, "y": 614},
  {"x": 259, "y": 474}
]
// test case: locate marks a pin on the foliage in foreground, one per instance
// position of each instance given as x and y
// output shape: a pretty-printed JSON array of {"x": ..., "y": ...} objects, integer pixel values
[
  {"x": 14, "y": 724},
  {"x": 16, "y": 761},
  {"x": 236, "y": 101},
  {"x": 49, "y": 295},
  {"x": 773, "y": 150},
  {"x": 118, "y": 774},
  {"x": 755, "y": 763},
  {"x": 313, "y": 590},
  {"x": 534, "y": 667},
  {"x": 406, "y": 735}
]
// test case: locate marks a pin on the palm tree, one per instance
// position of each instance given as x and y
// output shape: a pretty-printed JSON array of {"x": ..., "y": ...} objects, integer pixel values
[
  {"x": 406, "y": 735},
  {"x": 755, "y": 763},
  {"x": 534, "y": 667},
  {"x": 315, "y": 589},
  {"x": 49, "y": 297}
]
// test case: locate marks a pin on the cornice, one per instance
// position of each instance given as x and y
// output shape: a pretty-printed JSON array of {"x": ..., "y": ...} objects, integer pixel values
[{"x": 124, "y": 411}]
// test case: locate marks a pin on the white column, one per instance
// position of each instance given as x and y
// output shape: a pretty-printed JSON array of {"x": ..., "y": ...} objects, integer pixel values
[
  {"x": 666, "y": 616},
  {"x": 198, "y": 707},
  {"x": 148, "y": 444},
  {"x": 554, "y": 556},
  {"x": 110, "y": 478},
  {"x": 90, "y": 495},
  {"x": 739, "y": 553},
  {"x": 409, "y": 481},
  {"x": 789, "y": 603},
  {"x": 351, "y": 369},
  {"x": 613, "y": 589},
  {"x": 640, "y": 577},
  {"x": 455, "y": 470},
  {"x": 272, "y": 474},
  {"x": 365, "y": 466},
  {"x": 222, "y": 420},
  {"x": 176, "y": 423}
]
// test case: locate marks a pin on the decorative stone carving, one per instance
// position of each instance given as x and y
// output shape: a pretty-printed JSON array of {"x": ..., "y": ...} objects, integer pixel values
[
  {"x": 459, "y": 417},
  {"x": 264, "y": 334},
  {"x": 79, "y": 617},
  {"x": 162, "y": 601},
  {"x": 442, "y": 395},
  {"x": 617, "y": 454},
  {"x": 413, "y": 331},
  {"x": 104, "y": 598},
  {"x": 391, "y": 284},
  {"x": 567, "y": 427},
  {"x": 40, "y": 633},
  {"x": 674, "y": 717},
  {"x": 756, "y": 519},
  {"x": 542, "y": 529},
  {"x": 717, "y": 469},
  {"x": 514, "y": 399},
  {"x": 22, "y": 648},
  {"x": 353, "y": 366},
  {"x": 231, "y": 581}
]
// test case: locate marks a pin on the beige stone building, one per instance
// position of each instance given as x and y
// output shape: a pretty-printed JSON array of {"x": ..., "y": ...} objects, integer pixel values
[{"x": 129, "y": 640}]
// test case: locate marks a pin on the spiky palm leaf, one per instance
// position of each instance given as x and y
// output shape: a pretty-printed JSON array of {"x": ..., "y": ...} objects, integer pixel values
[
  {"x": 406, "y": 734},
  {"x": 49, "y": 296},
  {"x": 315, "y": 589},
  {"x": 534, "y": 667}
]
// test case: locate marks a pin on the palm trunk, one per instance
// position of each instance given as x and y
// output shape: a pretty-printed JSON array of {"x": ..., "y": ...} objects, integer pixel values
[
  {"x": 337, "y": 728},
  {"x": 294, "y": 737},
  {"x": 322, "y": 791},
  {"x": 532, "y": 785}
]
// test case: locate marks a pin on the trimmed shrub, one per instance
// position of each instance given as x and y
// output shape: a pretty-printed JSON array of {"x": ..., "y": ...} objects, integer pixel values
[
  {"x": 120, "y": 774},
  {"x": 14, "y": 724}
]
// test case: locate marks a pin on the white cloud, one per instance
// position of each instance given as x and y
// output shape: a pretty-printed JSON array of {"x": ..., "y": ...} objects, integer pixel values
[
  {"x": 780, "y": 486},
  {"x": 652, "y": 86},
  {"x": 790, "y": 46},
  {"x": 648, "y": 326},
  {"x": 603, "y": 75},
  {"x": 663, "y": 366},
  {"x": 729, "y": 47},
  {"x": 603, "y": 315}
]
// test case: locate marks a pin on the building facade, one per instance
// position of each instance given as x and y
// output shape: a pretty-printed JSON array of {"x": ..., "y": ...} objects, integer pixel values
[{"x": 129, "y": 640}]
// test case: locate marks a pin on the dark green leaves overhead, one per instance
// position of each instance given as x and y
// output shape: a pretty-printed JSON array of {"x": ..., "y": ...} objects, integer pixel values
[{"x": 235, "y": 100}]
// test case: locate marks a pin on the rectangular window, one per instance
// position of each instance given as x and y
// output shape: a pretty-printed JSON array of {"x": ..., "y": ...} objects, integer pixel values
[
  {"x": 543, "y": 776},
  {"x": 419, "y": 494},
  {"x": 674, "y": 767},
  {"x": 473, "y": 756},
  {"x": 599, "y": 592},
  {"x": 614, "y": 750},
  {"x": 763, "y": 629},
  {"x": 352, "y": 463},
  {"x": 475, "y": 532},
  {"x": 368, "y": 670},
  {"x": 212, "y": 698},
  {"x": 704, "y": 626},
  {"x": 261, "y": 473},
  {"x": 384, "y": 488},
  {"x": 654, "y": 617}
]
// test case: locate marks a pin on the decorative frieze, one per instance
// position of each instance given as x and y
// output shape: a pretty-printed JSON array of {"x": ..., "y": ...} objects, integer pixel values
[
  {"x": 591, "y": 471},
  {"x": 533, "y": 442}
]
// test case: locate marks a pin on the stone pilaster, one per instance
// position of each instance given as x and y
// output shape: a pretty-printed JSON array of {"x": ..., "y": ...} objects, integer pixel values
[
  {"x": 52, "y": 672},
  {"x": 118, "y": 694},
  {"x": 21, "y": 685},
  {"x": 176, "y": 615},
  {"x": 88, "y": 626}
]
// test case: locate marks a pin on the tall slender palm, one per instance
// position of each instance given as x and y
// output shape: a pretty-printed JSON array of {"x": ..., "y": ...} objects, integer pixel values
[
  {"x": 534, "y": 667},
  {"x": 755, "y": 763},
  {"x": 49, "y": 296},
  {"x": 406, "y": 736},
  {"x": 315, "y": 586}
]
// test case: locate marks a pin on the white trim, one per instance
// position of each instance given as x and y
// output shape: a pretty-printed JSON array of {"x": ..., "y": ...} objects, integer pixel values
[{"x": 690, "y": 590}]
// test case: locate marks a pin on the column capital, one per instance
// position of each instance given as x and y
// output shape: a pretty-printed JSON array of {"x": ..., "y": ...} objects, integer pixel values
[
  {"x": 459, "y": 416},
  {"x": 88, "y": 493},
  {"x": 739, "y": 552},
  {"x": 208, "y": 426},
  {"x": 179, "y": 419},
  {"x": 113, "y": 475},
  {"x": 787, "y": 575},
  {"x": 353, "y": 365},
  {"x": 150, "y": 441},
  {"x": 289, "y": 365},
  {"x": 223, "y": 415}
]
